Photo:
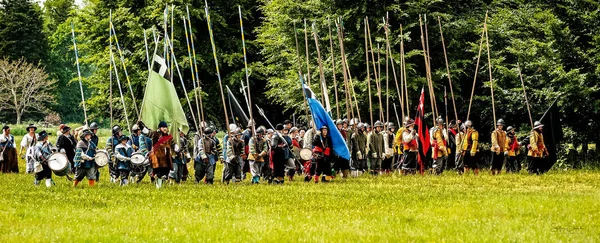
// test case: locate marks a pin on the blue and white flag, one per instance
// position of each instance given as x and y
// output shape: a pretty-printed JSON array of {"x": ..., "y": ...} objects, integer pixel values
[{"x": 322, "y": 118}]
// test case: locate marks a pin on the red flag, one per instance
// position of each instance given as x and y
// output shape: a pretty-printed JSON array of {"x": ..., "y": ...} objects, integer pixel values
[{"x": 423, "y": 131}]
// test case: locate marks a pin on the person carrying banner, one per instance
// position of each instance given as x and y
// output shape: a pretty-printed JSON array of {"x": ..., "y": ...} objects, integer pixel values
[{"x": 161, "y": 156}]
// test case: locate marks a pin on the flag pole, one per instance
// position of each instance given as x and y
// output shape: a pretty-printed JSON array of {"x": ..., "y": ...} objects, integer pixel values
[
  {"x": 174, "y": 60},
  {"x": 201, "y": 115},
  {"x": 525, "y": 94},
  {"x": 146, "y": 48},
  {"x": 110, "y": 70},
  {"x": 79, "y": 73},
  {"x": 187, "y": 41},
  {"x": 214, "y": 49},
  {"x": 448, "y": 70},
  {"x": 477, "y": 66},
  {"x": 368, "y": 71},
  {"x": 321, "y": 72},
  {"x": 122, "y": 58},
  {"x": 300, "y": 73},
  {"x": 306, "y": 45},
  {"x": 337, "y": 103},
  {"x": 246, "y": 69}
]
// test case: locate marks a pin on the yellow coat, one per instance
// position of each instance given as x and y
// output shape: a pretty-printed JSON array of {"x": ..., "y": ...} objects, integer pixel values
[
  {"x": 536, "y": 145},
  {"x": 438, "y": 137},
  {"x": 398, "y": 144},
  {"x": 472, "y": 141},
  {"x": 512, "y": 153},
  {"x": 499, "y": 141}
]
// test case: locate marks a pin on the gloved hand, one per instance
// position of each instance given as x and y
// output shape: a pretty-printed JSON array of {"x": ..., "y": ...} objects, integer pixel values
[
  {"x": 205, "y": 160},
  {"x": 373, "y": 155},
  {"x": 359, "y": 155},
  {"x": 506, "y": 153}
]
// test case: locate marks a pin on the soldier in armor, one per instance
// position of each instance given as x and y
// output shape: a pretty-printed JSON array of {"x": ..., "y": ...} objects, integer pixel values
[
  {"x": 376, "y": 147},
  {"x": 536, "y": 150},
  {"x": 359, "y": 150},
  {"x": 135, "y": 137},
  {"x": 123, "y": 152},
  {"x": 399, "y": 145},
  {"x": 85, "y": 165},
  {"x": 512, "y": 163},
  {"x": 440, "y": 148},
  {"x": 452, "y": 145},
  {"x": 234, "y": 162},
  {"x": 95, "y": 140},
  {"x": 180, "y": 161},
  {"x": 111, "y": 143},
  {"x": 27, "y": 144},
  {"x": 499, "y": 147},
  {"x": 470, "y": 148},
  {"x": 267, "y": 170},
  {"x": 206, "y": 158},
  {"x": 281, "y": 153},
  {"x": 41, "y": 152},
  {"x": 411, "y": 148},
  {"x": 460, "y": 159},
  {"x": 258, "y": 150}
]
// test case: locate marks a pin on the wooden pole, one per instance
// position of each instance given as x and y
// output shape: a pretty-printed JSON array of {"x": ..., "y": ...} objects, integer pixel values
[
  {"x": 246, "y": 71},
  {"x": 345, "y": 74},
  {"x": 427, "y": 69},
  {"x": 477, "y": 65},
  {"x": 351, "y": 84},
  {"x": 79, "y": 74},
  {"x": 189, "y": 49},
  {"x": 379, "y": 85},
  {"x": 448, "y": 69},
  {"x": 300, "y": 74},
  {"x": 403, "y": 63},
  {"x": 368, "y": 71},
  {"x": 525, "y": 94},
  {"x": 110, "y": 76},
  {"x": 199, "y": 94},
  {"x": 487, "y": 43},
  {"x": 400, "y": 92},
  {"x": 373, "y": 61},
  {"x": 387, "y": 74},
  {"x": 324, "y": 95},
  {"x": 432, "y": 89}
]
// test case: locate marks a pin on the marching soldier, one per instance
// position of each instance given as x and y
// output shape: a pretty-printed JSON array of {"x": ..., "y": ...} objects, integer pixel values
[
  {"x": 399, "y": 144},
  {"x": 322, "y": 156},
  {"x": 359, "y": 150},
  {"x": 95, "y": 140},
  {"x": 470, "y": 148},
  {"x": 41, "y": 152},
  {"x": 309, "y": 135},
  {"x": 281, "y": 153},
  {"x": 84, "y": 159},
  {"x": 537, "y": 149},
  {"x": 111, "y": 143},
  {"x": 66, "y": 144},
  {"x": 267, "y": 170},
  {"x": 27, "y": 144},
  {"x": 258, "y": 150},
  {"x": 234, "y": 162},
  {"x": 452, "y": 144},
  {"x": 512, "y": 163},
  {"x": 135, "y": 137},
  {"x": 388, "y": 137},
  {"x": 376, "y": 148},
  {"x": 161, "y": 153},
  {"x": 180, "y": 160},
  {"x": 499, "y": 147},
  {"x": 123, "y": 152},
  {"x": 206, "y": 159},
  {"x": 411, "y": 148},
  {"x": 459, "y": 160},
  {"x": 145, "y": 144},
  {"x": 440, "y": 149}
]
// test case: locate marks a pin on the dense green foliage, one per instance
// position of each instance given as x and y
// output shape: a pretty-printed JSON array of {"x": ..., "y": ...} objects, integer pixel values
[
  {"x": 555, "y": 42},
  {"x": 559, "y": 206}
]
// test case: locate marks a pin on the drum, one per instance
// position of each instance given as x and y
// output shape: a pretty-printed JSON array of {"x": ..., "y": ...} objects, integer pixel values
[
  {"x": 138, "y": 159},
  {"x": 101, "y": 158},
  {"x": 59, "y": 164},
  {"x": 305, "y": 154}
]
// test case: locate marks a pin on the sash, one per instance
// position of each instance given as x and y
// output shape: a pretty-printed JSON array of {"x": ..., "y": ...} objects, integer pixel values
[{"x": 161, "y": 141}]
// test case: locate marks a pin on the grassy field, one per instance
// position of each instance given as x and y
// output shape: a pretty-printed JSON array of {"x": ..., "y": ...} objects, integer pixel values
[{"x": 560, "y": 206}]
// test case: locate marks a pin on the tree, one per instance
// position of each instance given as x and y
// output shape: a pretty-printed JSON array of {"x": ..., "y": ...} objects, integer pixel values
[
  {"x": 28, "y": 87},
  {"x": 21, "y": 31}
]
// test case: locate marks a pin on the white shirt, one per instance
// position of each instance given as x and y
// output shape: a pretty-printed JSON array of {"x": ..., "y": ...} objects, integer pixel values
[{"x": 27, "y": 141}]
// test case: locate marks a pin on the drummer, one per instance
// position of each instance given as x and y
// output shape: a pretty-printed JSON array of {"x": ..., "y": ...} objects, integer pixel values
[
  {"x": 42, "y": 152},
  {"x": 135, "y": 137},
  {"x": 111, "y": 143},
  {"x": 123, "y": 153},
  {"x": 85, "y": 166}
]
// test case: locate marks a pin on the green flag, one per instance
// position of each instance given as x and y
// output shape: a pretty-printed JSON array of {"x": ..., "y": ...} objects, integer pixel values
[{"x": 161, "y": 102}]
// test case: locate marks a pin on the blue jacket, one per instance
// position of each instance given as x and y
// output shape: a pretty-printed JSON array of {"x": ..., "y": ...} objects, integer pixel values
[
  {"x": 122, "y": 153},
  {"x": 85, "y": 149}
]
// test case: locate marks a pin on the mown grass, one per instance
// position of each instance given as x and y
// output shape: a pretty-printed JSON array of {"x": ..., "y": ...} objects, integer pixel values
[{"x": 559, "y": 206}]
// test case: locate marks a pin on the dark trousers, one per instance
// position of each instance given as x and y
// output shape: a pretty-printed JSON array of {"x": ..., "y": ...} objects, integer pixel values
[
  {"x": 322, "y": 167},
  {"x": 46, "y": 173},
  {"x": 534, "y": 165},
  {"x": 512, "y": 164},
  {"x": 497, "y": 161},
  {"x": 386, "y": 164}
]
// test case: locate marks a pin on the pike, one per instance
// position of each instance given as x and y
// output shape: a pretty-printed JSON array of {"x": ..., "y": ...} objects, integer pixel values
[
  {"x": 487, "y": 44},
  {"x": 110, "y": 69},
  {"x": 122, "y": 58},
  {"x": 345, "y": 75},
  {"x": 387, "y": 74},
  {"x": 79, "y": 73},
  {"x": 368, "y": 71},
  {"x": 373, "y": 61},
  {"x": 187, "y": 41},
  {"x": 448, "y": 71},
  {"x": 306, "y": 45},
  {"x": 379, "y": 84},
  {"x": 477, "y": 65},
  {"x": 400, "y": 95},
  {"x": 340, "y": 29},
  {"x": 214, "y": 49},
  {"x": 201, "y": 115},
  {"x": 431, "y": 88},
  {"x": 321, "y": 71},
  {"x": 246, "y": 69},
  {"x": 446, "y": 106},
  {"x": 525, "y": 94},
  {"x": 403, "y": 68},
  {"x": 114, "y": 65},
  {"x": 427, "y": 69}
]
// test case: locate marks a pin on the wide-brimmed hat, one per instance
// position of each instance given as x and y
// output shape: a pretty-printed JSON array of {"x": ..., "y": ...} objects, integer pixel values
[
  {"x": 66, "y": 129},
  {"x": 123, "y": 137},
  {"x": 31, "y": 126},
  {"x": 43, "y": 134}
]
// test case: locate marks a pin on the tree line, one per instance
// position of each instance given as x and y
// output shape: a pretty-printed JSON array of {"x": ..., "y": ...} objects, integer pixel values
[{"x": 556, "y": 44}]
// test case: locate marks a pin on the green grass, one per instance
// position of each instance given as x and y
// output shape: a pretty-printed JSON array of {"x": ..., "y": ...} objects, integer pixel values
[{"x": 559, "y": 206}]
